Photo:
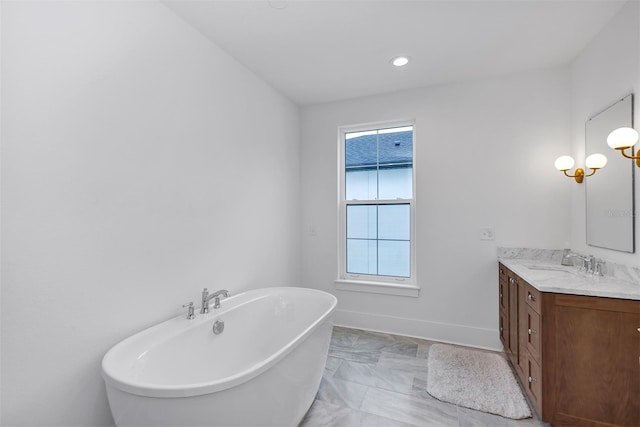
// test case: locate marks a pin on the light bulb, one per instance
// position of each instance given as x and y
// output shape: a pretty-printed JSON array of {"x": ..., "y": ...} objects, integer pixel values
[
  {"x": 564, "y": 163},
  {"x": 596, "y": 161},
  {"x": 622, "y": 138}
]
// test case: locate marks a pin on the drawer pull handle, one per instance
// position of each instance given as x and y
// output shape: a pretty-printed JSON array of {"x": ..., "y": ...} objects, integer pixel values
[
  {"x": 531, "y": 297},
  {"x": 501, "y": 329},
  {"x": 532, "y": 331},
  {"x": 531, "y": 379},
  {"x": 500, "y": 294},
  {"x": 501, "y": 271}
]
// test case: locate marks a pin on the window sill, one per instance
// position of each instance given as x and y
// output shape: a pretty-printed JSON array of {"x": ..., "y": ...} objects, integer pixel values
[{"x": 397, "y": 289}]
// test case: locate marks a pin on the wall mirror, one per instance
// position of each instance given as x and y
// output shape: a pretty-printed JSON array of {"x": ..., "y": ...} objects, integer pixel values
[{"x": 610, "y": 193}]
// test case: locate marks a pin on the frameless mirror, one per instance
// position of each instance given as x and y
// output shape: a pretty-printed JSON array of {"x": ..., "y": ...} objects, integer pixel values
[{"x": 609, "y": 193}]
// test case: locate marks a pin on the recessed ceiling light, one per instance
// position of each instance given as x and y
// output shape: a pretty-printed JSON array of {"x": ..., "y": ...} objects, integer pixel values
[{"x": 400, "y": 61}]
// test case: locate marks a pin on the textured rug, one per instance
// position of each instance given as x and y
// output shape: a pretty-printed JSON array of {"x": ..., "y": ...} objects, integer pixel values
[{"x": 476, "y": 380}]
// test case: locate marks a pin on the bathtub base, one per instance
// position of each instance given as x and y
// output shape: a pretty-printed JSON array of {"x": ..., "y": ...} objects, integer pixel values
[{"x": 278, "y": 397}]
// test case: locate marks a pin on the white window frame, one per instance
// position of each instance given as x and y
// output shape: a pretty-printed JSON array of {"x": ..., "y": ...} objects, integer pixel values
[{"x": 390, "y": 285}]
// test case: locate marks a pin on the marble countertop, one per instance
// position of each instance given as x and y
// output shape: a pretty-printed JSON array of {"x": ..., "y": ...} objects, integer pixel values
[{"x": 550, "y": 276}]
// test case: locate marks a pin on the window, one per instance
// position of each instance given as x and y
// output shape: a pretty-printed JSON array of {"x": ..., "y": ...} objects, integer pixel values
[{"x": 377, "y": 204}]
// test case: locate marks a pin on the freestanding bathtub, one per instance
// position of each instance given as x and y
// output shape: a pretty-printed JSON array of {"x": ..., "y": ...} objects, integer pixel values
[{"x": 264, "y": 369}]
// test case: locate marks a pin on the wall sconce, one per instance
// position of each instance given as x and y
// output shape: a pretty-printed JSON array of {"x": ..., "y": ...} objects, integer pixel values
[
  {"x": 593, "y": 162},
  {"x": 623, "y": 138}
]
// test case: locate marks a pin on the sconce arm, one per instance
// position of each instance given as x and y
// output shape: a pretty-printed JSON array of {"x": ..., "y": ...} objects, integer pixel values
[
  {"x": 579, "y": 176},
  {"x": 632, "y": 157},
  {"x": 593, "y": 171},
  {"x": 626, "y": 155}
]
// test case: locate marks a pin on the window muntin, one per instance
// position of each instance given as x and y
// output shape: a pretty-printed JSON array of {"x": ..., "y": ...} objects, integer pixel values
[
  {"x": 379, "y": 164},
  {"x": 377, "y": 203}
]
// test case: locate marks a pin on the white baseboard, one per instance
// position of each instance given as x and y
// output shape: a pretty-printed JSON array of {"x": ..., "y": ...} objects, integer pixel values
[{"x": 444, "y": 332}]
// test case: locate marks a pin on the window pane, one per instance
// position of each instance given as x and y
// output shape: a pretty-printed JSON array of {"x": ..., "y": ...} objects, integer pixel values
[
  {"x": 395, "y": 146},
  {"x": 395, "y": 159},
  {"x": 361, "y": 184},
  {"x": 361, "y": 149},
  {"x": 362, "y": 256},
  {"x": 361, "y": 159},
  {"x": 394, "y": 222},
  {"x": 394, "y": 258},
  {"x": 362, "y": 222},
  {"x": 396, "y": 183}
]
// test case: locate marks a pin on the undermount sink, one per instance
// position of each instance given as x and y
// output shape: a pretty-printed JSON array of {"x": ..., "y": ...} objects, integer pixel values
[{"x": 558, "y": 268}]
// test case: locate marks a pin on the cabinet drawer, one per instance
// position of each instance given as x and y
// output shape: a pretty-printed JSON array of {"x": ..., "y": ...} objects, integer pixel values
[
  {"x": 502, "y": 272},
  {"x": 532, "y": 297},
  {"x": 532, "y": 333},
  {"x": 534, "y": 383},
  {"x": 503, "y": 295},
  {"x": 504, "y": 328}
]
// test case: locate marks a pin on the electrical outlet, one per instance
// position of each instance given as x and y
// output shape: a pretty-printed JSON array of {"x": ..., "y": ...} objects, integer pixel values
[{"x": 487, "y": 233}]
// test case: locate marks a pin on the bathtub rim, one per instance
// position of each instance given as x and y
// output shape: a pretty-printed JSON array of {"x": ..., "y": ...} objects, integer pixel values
[{"x": 113, "y": 376}]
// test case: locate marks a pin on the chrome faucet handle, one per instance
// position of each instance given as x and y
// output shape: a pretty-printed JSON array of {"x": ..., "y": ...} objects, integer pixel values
[
  {"x": 583, "y": 263},
  {"x": 599, "y": 268},
  {"x": 216, "y": 297},
  {"x": 586, "y": 264},
  {"x": 190, "y": 313}
]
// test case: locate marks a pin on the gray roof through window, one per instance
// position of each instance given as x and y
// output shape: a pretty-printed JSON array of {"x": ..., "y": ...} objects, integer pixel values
[{"x": 394, "y": 149}]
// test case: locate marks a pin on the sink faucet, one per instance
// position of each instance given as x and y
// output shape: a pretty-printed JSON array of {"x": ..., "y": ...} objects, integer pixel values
[
  {"x": 592, "y": 265},
  {"x": 598, "y": 270},
  {"x": 584, "y": 263},
  {"x": 216, "y": 299},
  {"x": 591, "y": 262}
]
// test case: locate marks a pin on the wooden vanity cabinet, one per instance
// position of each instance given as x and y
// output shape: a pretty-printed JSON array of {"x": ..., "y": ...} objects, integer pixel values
[
  {"x": 511, "y": 318},
  {"x": 576, "y": 356}
]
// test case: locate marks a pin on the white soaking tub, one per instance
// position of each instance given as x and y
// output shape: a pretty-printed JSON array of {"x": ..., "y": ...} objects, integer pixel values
[{"x": 264, "y": 369}]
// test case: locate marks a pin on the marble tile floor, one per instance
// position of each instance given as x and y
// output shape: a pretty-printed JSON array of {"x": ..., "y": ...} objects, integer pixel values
[{"x": 376, "y": 379}]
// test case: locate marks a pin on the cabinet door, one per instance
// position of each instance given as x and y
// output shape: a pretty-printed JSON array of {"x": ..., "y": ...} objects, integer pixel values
[
  {"x": 513, "y": 318},
  {"x": 521, "y": 356},
  {"x": 531, "y": 332},
  {"x": 534, "y": 382},
  {"x": 590, "y": 353}
]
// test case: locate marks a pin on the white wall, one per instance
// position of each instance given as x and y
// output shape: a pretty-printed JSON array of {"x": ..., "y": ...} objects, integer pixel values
[
  {"x": 140, "y": 164},
  {"x": 484, "y": 157},
  {"x": 604, "y": 72}
]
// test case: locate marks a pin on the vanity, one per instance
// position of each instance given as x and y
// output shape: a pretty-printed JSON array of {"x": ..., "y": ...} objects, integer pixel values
[{"x": 573, "y": 341}]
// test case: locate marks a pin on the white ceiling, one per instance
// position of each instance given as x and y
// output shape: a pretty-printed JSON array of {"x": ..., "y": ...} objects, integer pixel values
[{"x": 323, "y": 51}]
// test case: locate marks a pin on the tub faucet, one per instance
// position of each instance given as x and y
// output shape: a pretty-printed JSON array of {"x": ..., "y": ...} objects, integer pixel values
[
  {"x": 216, "y": 299},
  {"x": 190, "y": 314}
]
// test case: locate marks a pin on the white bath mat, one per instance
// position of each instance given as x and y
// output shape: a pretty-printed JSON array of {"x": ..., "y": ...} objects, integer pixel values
[{"x": 476, "y": 380}]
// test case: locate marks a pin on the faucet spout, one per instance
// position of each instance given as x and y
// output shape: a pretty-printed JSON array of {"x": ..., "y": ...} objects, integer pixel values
[{"x": 206, "y": 297}]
